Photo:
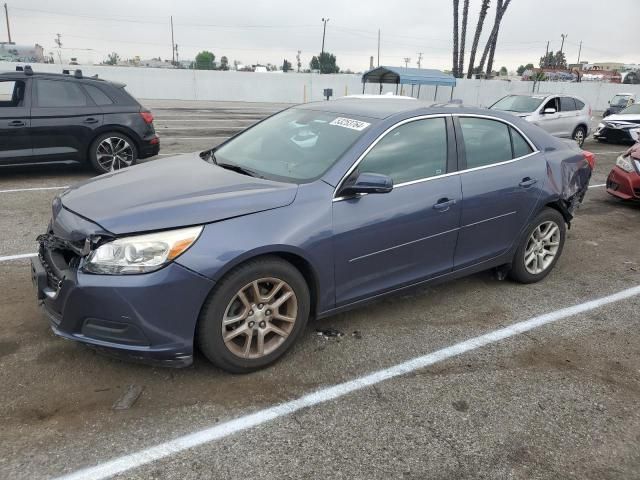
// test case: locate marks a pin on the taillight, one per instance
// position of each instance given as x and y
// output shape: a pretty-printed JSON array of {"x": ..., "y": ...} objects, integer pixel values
[
  {"x": 590, "y": 158},
  {"x": 147, "y": 117}
]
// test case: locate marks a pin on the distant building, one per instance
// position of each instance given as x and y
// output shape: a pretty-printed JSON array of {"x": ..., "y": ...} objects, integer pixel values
[
  {"x": 11, "y": 52},
  {"x": 156, "y": 63}
]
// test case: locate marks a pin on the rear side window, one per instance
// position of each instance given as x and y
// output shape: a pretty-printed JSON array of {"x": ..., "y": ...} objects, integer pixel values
[
  {"x": 520, "y": 145},
  {"x": 412, "y": 151},
  {"x": 12, "y": 93},
  {"x": 485, "y": 141},
  {"x": 54, "y": 93},
  {"x": 97, "y": 95},
  {"x": 567, "y": 104},
  {"x": 579, "y": 104}
]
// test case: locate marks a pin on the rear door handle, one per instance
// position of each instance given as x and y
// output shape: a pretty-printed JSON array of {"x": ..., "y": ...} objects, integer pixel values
[
  {"x": 444, "y": 204},
  {"x": 17, "y": 123},
  {"x": 528, "y": 182},
  {"x": 91, "y": 120}
]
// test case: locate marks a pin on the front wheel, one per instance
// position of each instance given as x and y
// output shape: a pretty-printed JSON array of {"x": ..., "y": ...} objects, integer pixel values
[
  {"x": 112, "y": 151},
  {"x": 254, "y": 315},
  {"x": 541, "y": 247}
]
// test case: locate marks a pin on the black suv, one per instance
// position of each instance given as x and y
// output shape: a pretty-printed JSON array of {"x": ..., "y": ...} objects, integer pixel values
[{"x": 68, "y": 118}]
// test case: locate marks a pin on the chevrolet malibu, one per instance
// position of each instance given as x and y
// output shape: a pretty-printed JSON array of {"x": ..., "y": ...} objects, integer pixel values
[{"x": 315, "y": 210}]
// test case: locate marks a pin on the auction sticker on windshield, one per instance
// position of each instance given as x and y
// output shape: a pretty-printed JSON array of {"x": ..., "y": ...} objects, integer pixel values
[{"x": 350, "y": 123}]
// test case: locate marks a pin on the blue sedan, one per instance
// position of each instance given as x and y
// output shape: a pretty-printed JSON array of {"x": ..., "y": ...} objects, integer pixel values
[{"x": 315, "y": 210}]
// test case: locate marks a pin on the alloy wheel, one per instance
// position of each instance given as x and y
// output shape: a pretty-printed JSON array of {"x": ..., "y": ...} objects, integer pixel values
[
  {"x": 542, "y": 247},
  {"x": 579, "y": 137},
  {"x": 259, "y": 318},
  {"x": 114, "y": 153}
]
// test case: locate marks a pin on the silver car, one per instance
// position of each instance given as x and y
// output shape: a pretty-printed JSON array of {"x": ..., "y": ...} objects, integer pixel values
[{"x": 564, "y": 116}]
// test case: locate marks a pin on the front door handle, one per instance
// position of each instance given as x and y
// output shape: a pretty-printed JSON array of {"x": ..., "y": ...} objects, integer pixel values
[
  {"x": 91, "y": 120},
  {"x": 444, "y": 204},
  {"x": 17, "y": 123},
  {"x": 528, "y": 182}
]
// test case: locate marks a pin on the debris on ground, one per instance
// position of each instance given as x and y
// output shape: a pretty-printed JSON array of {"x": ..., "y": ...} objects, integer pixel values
[
  {"x": 128, "y": 398},
  {"x": 328, "y": 332},
  {"x": 357, "y": 334}
]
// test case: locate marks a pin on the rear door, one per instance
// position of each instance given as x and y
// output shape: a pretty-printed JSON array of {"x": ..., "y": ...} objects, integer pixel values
[
  {"x": 63, "y": 120},
  {"x": 15, "y": 143},
  {"x": 502, "y": 179},
  {"x": 568, "y": 116},
  {"x": 384, "y": 241}
]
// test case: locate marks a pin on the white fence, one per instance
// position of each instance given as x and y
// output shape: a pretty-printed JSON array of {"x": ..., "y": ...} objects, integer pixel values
[{"x": 156, "y": 83}]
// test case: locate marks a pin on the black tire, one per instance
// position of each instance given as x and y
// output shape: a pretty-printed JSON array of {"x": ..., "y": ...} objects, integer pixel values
[
  {"x": 209, "y": 330},
  {"x": 519, "y": 271},
  {"x": 117, "y": 136},
  {"x": 579, "y": 135}
]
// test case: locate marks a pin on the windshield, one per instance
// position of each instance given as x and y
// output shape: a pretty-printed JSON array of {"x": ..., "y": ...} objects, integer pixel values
[
  {"x": 619, "y": 100},
  {"x": 518, "y": 103},
  {"x": 295, "y": 145},
  {"x": 632, "y": 109}
]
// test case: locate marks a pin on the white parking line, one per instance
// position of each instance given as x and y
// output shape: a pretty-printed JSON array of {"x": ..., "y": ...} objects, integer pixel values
[
  {"x": 217, "y": 432},
  {"x": 203, "y": 138},
  {"x": 17, "y": 257},
  {"x": 598, "y": 185},
  {"x": 33, "y": 189}
]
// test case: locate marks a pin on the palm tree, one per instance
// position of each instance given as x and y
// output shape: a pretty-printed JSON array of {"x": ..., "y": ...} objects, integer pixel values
[
  {"x": 490, "y": 47},
  {"x": 456, "y": 6},
  {"x": 463, "y": 36},
  {"x": 476, "y": 39}
]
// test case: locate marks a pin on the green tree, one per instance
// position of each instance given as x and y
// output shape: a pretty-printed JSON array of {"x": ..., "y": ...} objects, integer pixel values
[
  {"x": 224, "y": 63},
  {"x": 112, "y": 59},
  {"x": 503, "y": 71},
  {"x": 205, "y": 60},
  {"x": 325, "y": 62},
  {"x": 286, "y": 65},
  {"x": 522, "y": 68}
]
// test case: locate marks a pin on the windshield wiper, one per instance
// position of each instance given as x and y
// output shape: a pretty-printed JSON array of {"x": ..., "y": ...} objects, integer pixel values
[{"x": 236, "y": 168}]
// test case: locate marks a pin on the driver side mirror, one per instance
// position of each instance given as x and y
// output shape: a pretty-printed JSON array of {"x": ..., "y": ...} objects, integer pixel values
[
  {"x": 548, "y": 111},
  {"x": 366, "y": 183}
]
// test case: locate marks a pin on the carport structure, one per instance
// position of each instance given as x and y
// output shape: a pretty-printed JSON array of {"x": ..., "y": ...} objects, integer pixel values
[{"x": 409, "y": 76}]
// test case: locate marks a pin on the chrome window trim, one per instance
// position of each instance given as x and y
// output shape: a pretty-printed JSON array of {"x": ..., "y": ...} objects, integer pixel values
[{"x": 436, "y": 177}]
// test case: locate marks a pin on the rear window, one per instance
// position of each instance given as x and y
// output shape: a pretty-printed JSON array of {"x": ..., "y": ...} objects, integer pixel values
[
  {"x": 579, "y": 104},
  {"x": 97, "y": 95},
  {"x": 59, "y": 93}
]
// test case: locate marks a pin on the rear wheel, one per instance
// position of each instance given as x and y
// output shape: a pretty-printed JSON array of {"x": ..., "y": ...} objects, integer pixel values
[
  {"x": 254, "y": 315},
  {"x": 112, "y": 151},
  {"x": 541, "y": 248},
  {"x": 580, "y": 135}
]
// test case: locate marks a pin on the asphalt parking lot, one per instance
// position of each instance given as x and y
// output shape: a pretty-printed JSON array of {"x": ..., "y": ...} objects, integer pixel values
[{"x": 557, "y": 401}]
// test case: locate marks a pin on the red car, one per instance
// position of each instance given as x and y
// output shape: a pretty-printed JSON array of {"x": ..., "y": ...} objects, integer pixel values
[{"x": 624, "y": 180}]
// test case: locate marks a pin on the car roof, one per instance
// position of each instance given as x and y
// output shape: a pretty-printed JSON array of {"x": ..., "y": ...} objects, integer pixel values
[
  {"x": 380, "y": 109},
  {"x": 20, "y": 75}
]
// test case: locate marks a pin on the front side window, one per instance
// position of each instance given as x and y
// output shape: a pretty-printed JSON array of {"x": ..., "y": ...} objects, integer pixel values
[
  {"x": 485, "y": 141},
  {"x": 553, "y": 103},
  {"x": 412, "y": 151},
  {"x": 12, "y": 93},
  {"x": 296, "y": 145},
  {"x": 59, "y": 93}
]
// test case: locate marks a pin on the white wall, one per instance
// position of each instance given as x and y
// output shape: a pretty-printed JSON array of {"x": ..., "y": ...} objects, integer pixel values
[{"x": 154, "y": 83}]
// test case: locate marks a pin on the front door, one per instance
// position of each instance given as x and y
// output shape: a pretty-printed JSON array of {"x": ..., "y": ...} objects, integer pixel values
[
  {"x": 502, "y": 183},
  {"x": 551, "y": 122},
  {"x": 15, "y": 143},
  {"x": 384, "y": 241},
  {"x": 63, "y": 120}
]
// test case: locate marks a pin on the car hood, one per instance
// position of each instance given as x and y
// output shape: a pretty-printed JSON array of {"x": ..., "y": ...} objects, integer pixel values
[
  {"x": 631, "y": 117},
  {"x": 173, "y": 192}
]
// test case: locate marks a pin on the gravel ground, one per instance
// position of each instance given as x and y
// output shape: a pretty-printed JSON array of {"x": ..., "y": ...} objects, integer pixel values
[{"x": 557, "y": 402}]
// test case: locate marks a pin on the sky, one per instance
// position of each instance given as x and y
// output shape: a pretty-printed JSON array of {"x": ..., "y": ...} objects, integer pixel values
[{"x": 269, "y": 31}]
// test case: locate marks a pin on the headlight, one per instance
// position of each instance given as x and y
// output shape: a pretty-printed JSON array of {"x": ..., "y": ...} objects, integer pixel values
[
  {"x": 625, "y": 163},
  {"x": 142, "y": 253},
  {"x": 600, "y": 126}
]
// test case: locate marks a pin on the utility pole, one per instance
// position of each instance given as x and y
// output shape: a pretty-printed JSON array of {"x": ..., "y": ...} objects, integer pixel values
[
  {"x": 419, "y": 59},
  {"x": 177, "y": 55},
  {"x": 378, "y": 47},
  {"x": 406, "y": 62},
  {"x": 579, "y": 52},
  {"x": 58, "y": 42},
  {"x": 173, "y": 45},
  {"x": 6, "y": 14},
  {"x": 563, "y": 35},
  {"x": 324, "y": 32}
]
